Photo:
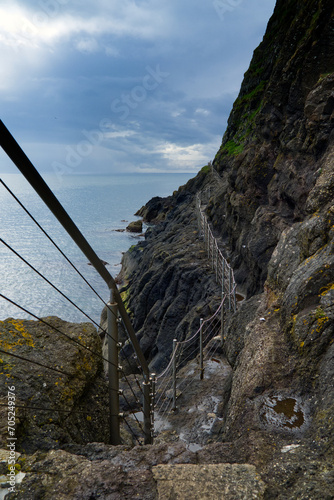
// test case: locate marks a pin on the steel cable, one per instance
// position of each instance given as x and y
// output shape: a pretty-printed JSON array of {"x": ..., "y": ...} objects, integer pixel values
[
  {"x": 52, "y": 241},
  {"x": 56, "y": 329},
  {"x": 35, "y": 363},
  {"x": 54, "y": 286}
]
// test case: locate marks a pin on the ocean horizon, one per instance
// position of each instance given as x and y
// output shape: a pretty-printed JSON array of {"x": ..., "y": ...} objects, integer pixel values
[{"x": 101, "y": 206}]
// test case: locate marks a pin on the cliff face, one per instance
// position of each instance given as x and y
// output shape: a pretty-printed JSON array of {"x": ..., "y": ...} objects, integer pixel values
[
  {"x": 273, "y": 171},
  {"x": 272, "y": 187},
  {"x": 278, "y": 142}
]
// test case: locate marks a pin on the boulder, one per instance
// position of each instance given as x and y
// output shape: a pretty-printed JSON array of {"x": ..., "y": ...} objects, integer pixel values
[
  {"x": 61, "y": 394},
  {"x": 135, "y": 226}
]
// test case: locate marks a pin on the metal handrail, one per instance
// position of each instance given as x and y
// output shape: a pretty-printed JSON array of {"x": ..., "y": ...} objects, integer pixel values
[
  {"x": 20, "y": 159},
  {"x": 22, "y": 162}
]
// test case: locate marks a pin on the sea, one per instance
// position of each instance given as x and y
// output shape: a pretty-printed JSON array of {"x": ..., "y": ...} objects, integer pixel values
[{"x": 31, "y": 266}]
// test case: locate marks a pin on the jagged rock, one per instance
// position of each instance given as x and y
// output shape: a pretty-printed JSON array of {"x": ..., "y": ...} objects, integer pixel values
[
  {"x": 168, "y": 286},
  {"x": 135, "y": 226}
]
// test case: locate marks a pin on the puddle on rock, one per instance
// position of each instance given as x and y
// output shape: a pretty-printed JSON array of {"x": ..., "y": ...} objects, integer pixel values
[
  {"x": 160, "y": 423},
  {"x": 282, "y": 412},
  {"x": 190, "y": 446},
  {"x": 289, "y": 408},
  {"x": 216, "y": 367}
]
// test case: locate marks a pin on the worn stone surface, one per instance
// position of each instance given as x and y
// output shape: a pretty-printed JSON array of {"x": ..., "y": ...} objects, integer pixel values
[
  {"x": 212, "y": 482},
  {"x": 97, "y": 471},
  {"x": 73, "y": 398}
]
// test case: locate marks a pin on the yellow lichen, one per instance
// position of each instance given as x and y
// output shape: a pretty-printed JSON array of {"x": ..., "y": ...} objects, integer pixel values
[
  {"x": 326, "y": 289},
  {"x": 20, "y": 336}
]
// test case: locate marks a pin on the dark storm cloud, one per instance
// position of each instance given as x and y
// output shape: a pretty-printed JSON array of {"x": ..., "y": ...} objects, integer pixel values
[{"x": 125, "y": 85}]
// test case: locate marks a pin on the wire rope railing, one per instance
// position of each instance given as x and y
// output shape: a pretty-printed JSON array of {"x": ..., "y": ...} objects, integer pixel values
[
  {"x": 224, "y": 274},
  {"x": 51, "y": 240},
  {"x": 115, "y": 308},
  {"x": 211, "y": 330}
]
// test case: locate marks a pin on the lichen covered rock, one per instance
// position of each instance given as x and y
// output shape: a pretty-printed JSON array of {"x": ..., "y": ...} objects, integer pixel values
[{"x": 60, "y": 394}]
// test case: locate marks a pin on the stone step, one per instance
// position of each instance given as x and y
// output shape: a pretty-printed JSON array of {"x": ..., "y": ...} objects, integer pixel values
[{"x": 208, "y": 482}]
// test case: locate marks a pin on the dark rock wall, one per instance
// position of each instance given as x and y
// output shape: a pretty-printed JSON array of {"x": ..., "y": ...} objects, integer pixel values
[
  {"x": 278, "y": 135},
  {"x": 273, "y": 170},
  {"x": 272, "y": 205}
]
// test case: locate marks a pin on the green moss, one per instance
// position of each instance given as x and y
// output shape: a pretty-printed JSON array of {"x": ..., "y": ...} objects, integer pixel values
[
  {"x": 319, "y": 313},
  {"x": 131, "y": 249},
  {"x": 252, "y": 116},
  {"x": 232, "y": 148},
  {"x": 256, "y": 68},
  {"x": 206, "y": 169},
  {"x": 245, "y": 99},
  {"x": 324, "y": 75},
  {"x": 125, "y": 295}
]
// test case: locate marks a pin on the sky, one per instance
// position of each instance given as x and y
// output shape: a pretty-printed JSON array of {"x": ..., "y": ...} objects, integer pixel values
[{"x": 121, "y": 86}]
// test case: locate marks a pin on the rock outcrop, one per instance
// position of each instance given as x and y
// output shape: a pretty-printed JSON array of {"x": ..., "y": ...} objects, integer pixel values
[
  {"x": 135, "y": 226},
  {"x": 61, "y": 394},
  {"x": 275, "y": 158},
  {"x": 271, "y": 204}
]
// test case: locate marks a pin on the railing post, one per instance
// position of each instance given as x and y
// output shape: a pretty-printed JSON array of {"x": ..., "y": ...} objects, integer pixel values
[
  {"x": 222, "y": 319},
  {"x": 201, "y": 349},
  {"x": 174, "y": 373},
  {"x": 113, "y": 372},
  {"x": 147, "y": 412},
  {"x": 229, "y": 287},
  {"x": 153, "y": 389}
]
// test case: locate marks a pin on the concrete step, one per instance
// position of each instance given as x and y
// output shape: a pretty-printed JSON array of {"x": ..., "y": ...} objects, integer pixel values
[{"x": 208, "y": 482}]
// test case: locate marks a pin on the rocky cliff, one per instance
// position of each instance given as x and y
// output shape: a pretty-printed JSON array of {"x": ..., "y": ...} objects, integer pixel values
[
  {"x": 276, "y": 153},
  {"x": 271, "y": 208},
  {"x": 271, "y": 205}
]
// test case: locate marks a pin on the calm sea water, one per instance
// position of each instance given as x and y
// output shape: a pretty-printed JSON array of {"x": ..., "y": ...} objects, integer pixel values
[{"x": 99, "y": 205}]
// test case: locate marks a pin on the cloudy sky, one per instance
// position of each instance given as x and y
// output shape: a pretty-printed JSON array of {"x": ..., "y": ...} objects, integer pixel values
[{"x": 123, "y": 85}]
